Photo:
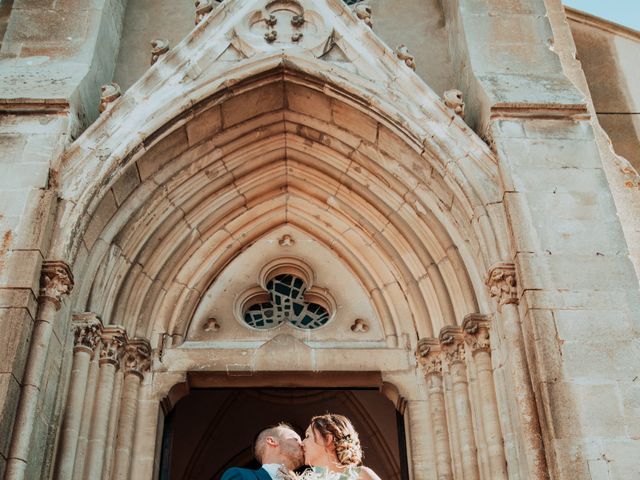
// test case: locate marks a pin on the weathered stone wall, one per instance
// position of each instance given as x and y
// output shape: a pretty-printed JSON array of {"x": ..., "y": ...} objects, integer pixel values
[
  {"x": 608, "y": 55},
  {"x": 577, "y": 289},
  {"x": 568, "y": 245},
  {"x": 29, "y": 145},
  {"x": 53, "y": 58}
]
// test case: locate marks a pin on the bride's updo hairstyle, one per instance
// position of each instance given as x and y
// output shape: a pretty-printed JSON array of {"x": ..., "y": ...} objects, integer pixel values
[{"x": 345, "y": 437}]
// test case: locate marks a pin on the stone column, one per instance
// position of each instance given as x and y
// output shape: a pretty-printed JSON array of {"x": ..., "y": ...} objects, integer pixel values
[
  {"x": 85, "y": 424},
  {"x": 502, "y": 284},
  {"x": 56, "y": 280},
  {"x": 136, "y": 362},
  {"x": 452, "y": 347},
  {"x": 87, "y": 329},
  {"x": 476, "y": 335},
  {"x": 149, "y": 424},
  {"x": 428, "y": 354},
  {"x": 112, "y": 348}
]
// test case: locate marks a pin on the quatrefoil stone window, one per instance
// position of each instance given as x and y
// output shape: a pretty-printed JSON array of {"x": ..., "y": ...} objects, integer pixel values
[{"x": 287, "y": 304}]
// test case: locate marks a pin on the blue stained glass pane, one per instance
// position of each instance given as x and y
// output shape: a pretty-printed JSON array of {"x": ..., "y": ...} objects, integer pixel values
[{"x": 287, "y": 305}]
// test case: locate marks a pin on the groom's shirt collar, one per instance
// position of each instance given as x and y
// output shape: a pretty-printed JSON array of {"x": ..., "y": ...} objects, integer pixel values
[{"x": 272, "y": 469}]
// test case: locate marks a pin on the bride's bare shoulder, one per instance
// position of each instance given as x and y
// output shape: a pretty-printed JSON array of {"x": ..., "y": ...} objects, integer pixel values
[{"x": 367, "y": 474}]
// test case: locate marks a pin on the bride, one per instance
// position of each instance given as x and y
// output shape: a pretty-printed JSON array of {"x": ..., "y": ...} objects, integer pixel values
[{"x": 332, "y": 447}]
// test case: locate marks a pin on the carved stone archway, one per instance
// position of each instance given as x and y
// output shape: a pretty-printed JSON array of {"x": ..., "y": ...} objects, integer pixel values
[{"x": 229, "y": 139}]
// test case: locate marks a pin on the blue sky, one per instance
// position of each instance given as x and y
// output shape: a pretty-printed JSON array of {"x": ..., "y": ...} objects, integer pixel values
[{"x": 624, "y": 12}]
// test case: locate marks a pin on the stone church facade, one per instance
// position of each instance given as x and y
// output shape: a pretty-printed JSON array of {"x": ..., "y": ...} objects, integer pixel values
[{"x": 422, "y": 212}]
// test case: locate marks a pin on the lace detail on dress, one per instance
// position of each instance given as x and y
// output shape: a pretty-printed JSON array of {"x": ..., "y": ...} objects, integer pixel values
[{"x": 322, "y": 473}]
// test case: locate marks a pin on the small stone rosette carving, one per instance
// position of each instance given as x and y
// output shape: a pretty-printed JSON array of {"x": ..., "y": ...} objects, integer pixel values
[{"x": 359, "y": 326}]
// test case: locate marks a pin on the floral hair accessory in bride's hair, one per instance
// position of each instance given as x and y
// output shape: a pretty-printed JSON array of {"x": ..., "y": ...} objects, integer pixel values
[{"x": 338, "y": 430}]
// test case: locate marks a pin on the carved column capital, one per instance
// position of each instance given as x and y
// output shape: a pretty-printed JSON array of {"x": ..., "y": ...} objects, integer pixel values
[
  {"x": 137, "y": 357},
  {"x": 476, "y": 332},
  {"x": 112, "y": 345},
  {"x": 56, "y": 280},
  {"x": 87, "y": 329},
  {"x": 428, "y": 356},
  {"x": 452, "y": 344},
  {"x": 502, "y": 283}
]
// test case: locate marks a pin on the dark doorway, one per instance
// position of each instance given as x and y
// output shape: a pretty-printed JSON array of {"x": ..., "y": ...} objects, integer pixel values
[{"x": 212, "y": 429}]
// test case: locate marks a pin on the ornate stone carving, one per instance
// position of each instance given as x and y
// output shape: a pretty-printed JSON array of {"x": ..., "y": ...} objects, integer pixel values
[
  {"x": 211, "y": 325},
  {"x": 359, "y": 326},
  {"x": 402, "y": 52},
  {"x": 285, "y": 24},
  {"x": 87, "y": 336},
  {"x": 297, "y": 20},
  {"x": 453, "y": 100},
  {"x": 363, "y": 12},
  {"x": 109, "y": 94},
  {"x": 286, "y": 241},
  {"x": 159, "y": 47},
  {"x": 271, "y": 36},
  {"x": 203, "y": 8},
  {"x": 476, "y": 332},
  {"x": 428, "y": 356},
  {"x": 452, "y": 344},
  {"x": 56, "y": 280},
  {"x": 502, "y": 283},
  {"x": 112, "y": 345},
  {"x": 137, "y": 355}
]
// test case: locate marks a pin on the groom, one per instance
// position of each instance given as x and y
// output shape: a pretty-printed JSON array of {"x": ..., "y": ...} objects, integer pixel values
[{"x": 278, "y": 449}]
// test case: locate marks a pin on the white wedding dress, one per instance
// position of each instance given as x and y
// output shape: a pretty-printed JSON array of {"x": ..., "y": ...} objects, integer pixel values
[{"x": 323, "y": 473}]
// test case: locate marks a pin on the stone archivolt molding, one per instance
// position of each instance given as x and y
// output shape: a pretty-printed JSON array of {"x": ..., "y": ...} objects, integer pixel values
[
  {"x": 56, "y": 280},
  {"x": 502, "y": 283}
]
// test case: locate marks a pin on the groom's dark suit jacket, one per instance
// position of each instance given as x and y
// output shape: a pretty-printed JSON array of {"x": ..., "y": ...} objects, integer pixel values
[{"x": 245, "y": 474}]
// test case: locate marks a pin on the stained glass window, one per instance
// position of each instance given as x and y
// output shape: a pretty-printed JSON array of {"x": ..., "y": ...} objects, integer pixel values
[{"x": 287, "y": 304}]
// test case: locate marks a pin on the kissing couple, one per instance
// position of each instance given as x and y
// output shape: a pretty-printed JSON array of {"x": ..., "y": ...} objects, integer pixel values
[{"x": 331, "y": 448}]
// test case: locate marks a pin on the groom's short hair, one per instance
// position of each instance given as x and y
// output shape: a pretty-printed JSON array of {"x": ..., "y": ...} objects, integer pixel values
[{"x": 260, "y": 443}]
